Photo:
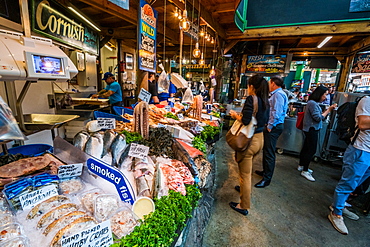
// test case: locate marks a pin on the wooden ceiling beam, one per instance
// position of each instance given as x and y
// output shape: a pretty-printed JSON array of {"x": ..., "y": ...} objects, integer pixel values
[
  {"x": 360, "y": 46},
  {"x": 230, "y": 45},
  {"x": 333, "y": 29},
  {"x": 345, "y": 39},
  {"x": 224, "y": 7}
]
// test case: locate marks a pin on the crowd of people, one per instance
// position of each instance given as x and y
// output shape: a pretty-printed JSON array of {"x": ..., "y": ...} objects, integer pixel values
[{"x": 272, "y": 109}]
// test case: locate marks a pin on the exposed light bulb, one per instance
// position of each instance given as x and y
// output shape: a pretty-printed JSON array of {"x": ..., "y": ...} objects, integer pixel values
[
  {"x": 184, "y": 23},
  {"x": 184, "y": 61},
  {"x": 212, "y": 41},
  {"x": 196, "y": 51},
  {"x": 201, "y": 61},
  {"x": 166, "y": 60},
  {"x": 209, "y": 38},
  {"x": 176, "y": 12},
  {"x": 201, "y": 33}
]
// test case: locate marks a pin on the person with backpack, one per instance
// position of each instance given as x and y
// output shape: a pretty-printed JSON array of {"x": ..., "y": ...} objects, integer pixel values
[
  {"x": 356, "y": 165},
  {"x": 312, "y": 123}
]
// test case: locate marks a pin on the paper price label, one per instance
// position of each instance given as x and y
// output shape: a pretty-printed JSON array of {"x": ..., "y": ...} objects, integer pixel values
[
  {"x": 144, "y": 95},
  {"x": 33, "y": 198},
  {"x": 68, "y": 171},
  {"x": 99, "y": 235},
  {"x": 161, "y": 125},
  {"x": 167, "y": 108},
  {"x": 180, "y": 116},
  {"x": 138, "y": 151},
  {"x": 107, "y": 123}
]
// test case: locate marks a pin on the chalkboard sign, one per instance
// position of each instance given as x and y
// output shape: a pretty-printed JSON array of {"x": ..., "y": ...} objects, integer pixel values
[
  {"x": 272, "y": 13},
  {"x": 266, "y": 64},
  {"x": 9, "y": 9}
]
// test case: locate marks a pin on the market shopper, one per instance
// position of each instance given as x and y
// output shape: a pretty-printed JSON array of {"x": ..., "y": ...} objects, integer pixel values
[
  {"x": 257, "y": 86},
  {"x": 278, "y": 109},
  {"x": 356, "y": 166},
  {"x": 112, "y": 91},
  {"x": 312, "y": 123},
  {"x": 153, "y": 88}
]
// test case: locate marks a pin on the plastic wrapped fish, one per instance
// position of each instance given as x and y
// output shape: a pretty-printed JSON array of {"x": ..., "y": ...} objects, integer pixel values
[
  {"x": 10, "y": 231},
  {"x": 63, "y": 221},
  {"x": 16, "y": 242},
  {"x": 56, "y": 213},
  {"x": 78, "y": 225},
  {"x": 47, "y": 205}
]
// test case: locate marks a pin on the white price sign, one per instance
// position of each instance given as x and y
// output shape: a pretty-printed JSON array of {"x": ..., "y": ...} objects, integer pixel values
[
  {"x": 107, "y": 123},
  {"x": 144, "y": 95},
  {"x": 167, "y": 108},
  {"x": 99, "y": 235},
  {"x": 71, "y": 170},
  {"x": 33, "y": 198},
  {"x": 180, "y": 116},
  {"x": 138, "y": 151}
]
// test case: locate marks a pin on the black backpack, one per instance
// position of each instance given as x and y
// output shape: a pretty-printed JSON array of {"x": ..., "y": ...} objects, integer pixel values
[{"x": 346, "y": 121}]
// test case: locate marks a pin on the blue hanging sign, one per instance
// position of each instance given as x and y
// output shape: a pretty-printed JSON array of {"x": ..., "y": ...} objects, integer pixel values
[
  {"x": 113, "y": 176},
  {"x": 125, "y": 4},
  {"x": 147, "y": 37}
]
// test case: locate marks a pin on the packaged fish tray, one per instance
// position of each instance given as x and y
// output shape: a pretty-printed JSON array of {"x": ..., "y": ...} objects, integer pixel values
[
  {"x": 104, "y": 205},
  {"x": 71, "y": 186},
  {"x": 20, "y": 241},
  {"x": 10, "y": 231},
  {"x": 87, "y": 199},
  {"x": 123, "y": 222},
  {"x": 6, "y": 217}
]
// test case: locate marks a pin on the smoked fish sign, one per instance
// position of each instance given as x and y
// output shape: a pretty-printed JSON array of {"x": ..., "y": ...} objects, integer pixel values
[
  {"x": 147, "y": 37},
  {"x": 54, "y": 21}
]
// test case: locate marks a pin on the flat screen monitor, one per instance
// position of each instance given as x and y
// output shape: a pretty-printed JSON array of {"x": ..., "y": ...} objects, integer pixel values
[{"x": 45, "y": 66}]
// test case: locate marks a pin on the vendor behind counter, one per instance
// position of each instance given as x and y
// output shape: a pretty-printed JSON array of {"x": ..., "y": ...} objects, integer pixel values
[{"x": 112, "y": 91}]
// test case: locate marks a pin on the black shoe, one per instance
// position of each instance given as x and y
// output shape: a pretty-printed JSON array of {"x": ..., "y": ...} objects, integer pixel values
[
  {"x": 237, "y": 188},
  {"x": 241, "y": 211},
  {"x": 259, "y": 173},
  {"x": 262, "y": 184}
]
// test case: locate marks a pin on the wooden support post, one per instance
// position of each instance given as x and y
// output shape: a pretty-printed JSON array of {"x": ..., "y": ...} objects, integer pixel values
[{"x": 345, "y": 72}]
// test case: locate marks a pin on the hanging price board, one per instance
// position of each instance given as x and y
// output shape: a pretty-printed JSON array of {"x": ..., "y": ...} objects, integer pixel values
[{"x": 144, "y": 95}]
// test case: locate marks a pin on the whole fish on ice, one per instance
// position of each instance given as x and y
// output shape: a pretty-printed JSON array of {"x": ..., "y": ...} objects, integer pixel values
[
  {"x": 94, "y": 145},
  {"x": 80, "y": 139},
  {"x": 108, "y": 138},
  {"x": 118, "y": 146}
]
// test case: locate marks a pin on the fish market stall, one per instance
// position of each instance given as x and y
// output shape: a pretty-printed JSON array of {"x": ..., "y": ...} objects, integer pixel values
[{"x": 142, "y": 177}]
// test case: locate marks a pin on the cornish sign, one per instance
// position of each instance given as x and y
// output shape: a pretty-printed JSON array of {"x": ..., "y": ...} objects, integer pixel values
[
  {"x": 266, "y": 64},
  {"x": 361, "y": 64},
  {"x": 54, "y": 21},
  {"x": 147, "y": 37}
]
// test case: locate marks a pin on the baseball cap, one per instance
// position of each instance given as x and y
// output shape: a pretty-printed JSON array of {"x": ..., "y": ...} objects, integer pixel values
[{"x": 106, "y": 75}]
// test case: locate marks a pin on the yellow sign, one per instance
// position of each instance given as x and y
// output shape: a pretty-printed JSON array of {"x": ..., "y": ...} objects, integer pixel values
[{"x": 198, "y": 66}]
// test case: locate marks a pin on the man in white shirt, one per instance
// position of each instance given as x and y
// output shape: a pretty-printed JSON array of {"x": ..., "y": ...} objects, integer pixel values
[{"x": 356, "y": 166}]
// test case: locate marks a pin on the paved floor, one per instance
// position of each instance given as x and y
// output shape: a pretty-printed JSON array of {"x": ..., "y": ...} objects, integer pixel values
[{"x": 292, "y": 211}]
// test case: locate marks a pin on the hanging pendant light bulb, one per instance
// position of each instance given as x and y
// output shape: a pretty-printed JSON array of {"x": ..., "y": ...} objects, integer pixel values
[
  {"x": 184, "y": 23},
  {"x": 196, "y": 51},
  {"x": 212, "y": 41},
  {"x": 201, "y": 61},
  {"x": 209, "y": 38},
  {"x": 179, "y": 15},
  {"x": 176, "y": 12},
  {"x": 202, "y": 33}
]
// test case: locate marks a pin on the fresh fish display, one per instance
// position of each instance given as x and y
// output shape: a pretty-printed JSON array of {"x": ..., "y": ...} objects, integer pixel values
[
  {"x": 10, "y": 231},
  {"x": 56, "y": 213},
  {"x": 27, "y": 166},
  {"x": 94, "y": 146},
  {"x": 117, "y": 147},
  {"x": 80, "y": 139},
  {"x": 204, "y": 169},
  {"x": 76, "y": 226},
  {"x": 64, "y": 221},
  {"x": 182, "y": 155},
  {"x": 108, "y": 138},
  {"x": 46, "y": 206}
]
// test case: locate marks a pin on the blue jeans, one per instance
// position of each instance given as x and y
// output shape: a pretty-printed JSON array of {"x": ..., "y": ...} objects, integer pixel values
[{"x": 355, "y": 170}]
